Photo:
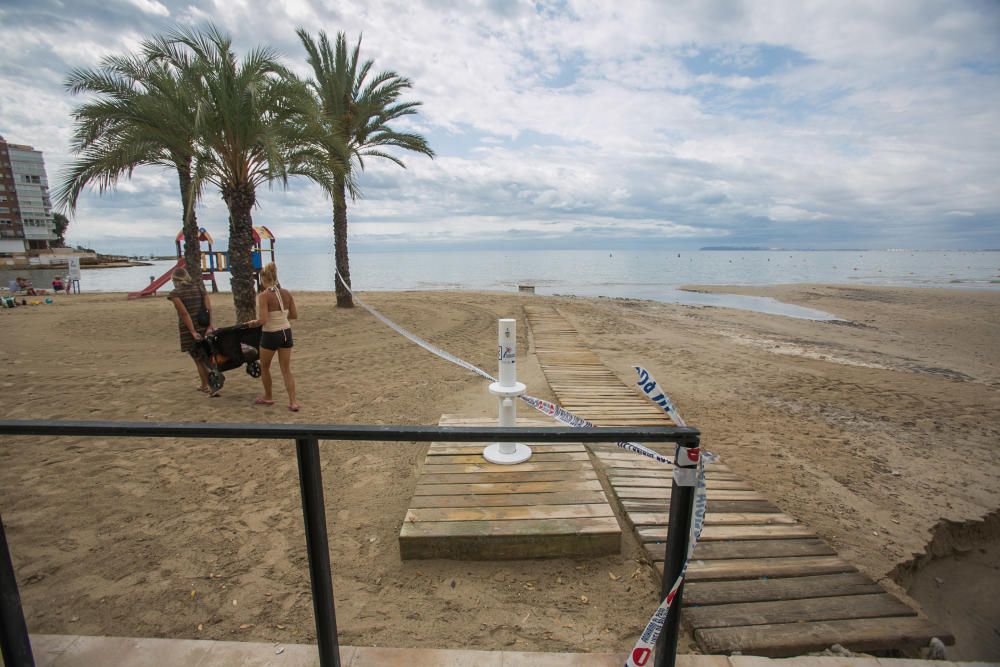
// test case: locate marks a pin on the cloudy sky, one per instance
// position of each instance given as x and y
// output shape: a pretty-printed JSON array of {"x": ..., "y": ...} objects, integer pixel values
[{"x": 590, "y": 124}]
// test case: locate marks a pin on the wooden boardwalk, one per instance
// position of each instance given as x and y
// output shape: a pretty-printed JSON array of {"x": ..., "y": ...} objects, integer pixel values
[
  {"x": 760, "y": 581},
  {"x": 467, "y": 508}
]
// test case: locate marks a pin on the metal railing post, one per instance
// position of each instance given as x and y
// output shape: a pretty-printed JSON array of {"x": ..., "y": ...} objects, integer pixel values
[
  {"x": 16, "y": 646},
  {"x": 678, "y": 529},
  {"x": 314, "y": 514},
  {"x": 14, "y": 643}
]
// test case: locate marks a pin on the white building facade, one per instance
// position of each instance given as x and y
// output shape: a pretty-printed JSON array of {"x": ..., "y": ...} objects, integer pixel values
[{"x": 25, "y": 206}]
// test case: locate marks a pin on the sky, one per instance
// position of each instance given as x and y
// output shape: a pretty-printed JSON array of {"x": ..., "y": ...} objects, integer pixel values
[{"x": 586, "y": 124}]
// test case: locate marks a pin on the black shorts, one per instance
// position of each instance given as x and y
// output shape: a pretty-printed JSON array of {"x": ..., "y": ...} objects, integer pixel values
[{"x": 274, "y": 340}]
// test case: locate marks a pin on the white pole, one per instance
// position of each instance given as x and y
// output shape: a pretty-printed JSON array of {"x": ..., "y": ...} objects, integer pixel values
[{"x": 506, "y": 390}]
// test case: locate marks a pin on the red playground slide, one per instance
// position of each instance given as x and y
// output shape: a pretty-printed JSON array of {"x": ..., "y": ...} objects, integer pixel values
[{"x": 152, "y": 288}]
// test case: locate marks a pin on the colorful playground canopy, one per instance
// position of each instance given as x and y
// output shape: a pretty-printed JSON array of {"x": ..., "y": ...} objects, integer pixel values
[
  {"x": 203, "y": 236},
  {"x": 260, "y": 233}
]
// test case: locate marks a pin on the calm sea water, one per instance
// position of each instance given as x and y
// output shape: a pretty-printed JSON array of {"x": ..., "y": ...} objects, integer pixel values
[{"x": 635, "y": 274}]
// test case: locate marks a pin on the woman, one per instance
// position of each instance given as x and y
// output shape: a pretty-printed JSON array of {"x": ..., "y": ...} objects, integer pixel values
[
  {"x": 275, "y": 307},
  {"x": 189, "y": 299}
]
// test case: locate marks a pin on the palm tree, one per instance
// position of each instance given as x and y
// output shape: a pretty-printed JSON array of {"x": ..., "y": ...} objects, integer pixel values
[
  {"x": 142, "y": 113},
  {"x": 248, "y": 120},
  {"x": 354, "y": 125}
]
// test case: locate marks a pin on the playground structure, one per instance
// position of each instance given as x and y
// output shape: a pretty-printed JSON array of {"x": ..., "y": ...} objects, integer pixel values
[{"x": 213, "y": 261}]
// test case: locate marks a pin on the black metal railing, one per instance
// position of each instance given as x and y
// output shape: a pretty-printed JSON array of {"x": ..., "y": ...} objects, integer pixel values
[{"x": 14, "y": 641}]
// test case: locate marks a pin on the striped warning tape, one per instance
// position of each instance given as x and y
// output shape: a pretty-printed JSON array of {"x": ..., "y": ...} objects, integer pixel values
[
  {"x": 689, "y": 466},
  {"x": 548, "y": 408}
]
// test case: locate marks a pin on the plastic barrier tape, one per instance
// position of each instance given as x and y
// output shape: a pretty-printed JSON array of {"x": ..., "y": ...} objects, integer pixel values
[
  {"x": 649, "y": 387},
  {"x": 689, "y": 469},
  {"x": 557, "y": 412},
  {"x": 644, "y": 647}
]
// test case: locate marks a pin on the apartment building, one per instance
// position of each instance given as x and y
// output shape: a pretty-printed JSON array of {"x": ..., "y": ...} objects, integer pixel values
[{"x": 25, "y": 207}]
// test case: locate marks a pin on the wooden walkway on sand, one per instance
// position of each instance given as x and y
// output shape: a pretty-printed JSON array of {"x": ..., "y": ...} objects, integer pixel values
[
  {"x": 760, "y": 581},
  {"x": 467, "y": 508}
]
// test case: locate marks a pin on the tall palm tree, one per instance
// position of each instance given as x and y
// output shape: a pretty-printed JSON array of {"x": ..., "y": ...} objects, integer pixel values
[
  {"x": 355, "y": 118},
  {"x": 247, "y": 121},
  {"x": 141, "y": 113}
]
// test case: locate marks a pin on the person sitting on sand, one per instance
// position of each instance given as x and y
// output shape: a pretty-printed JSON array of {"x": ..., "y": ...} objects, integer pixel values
[
  {"x": 188, "y": 299},
  {"x": 24, "y": 285},
  {"x": 57, "y": 284},
  {"x": 275, "y": 307}
]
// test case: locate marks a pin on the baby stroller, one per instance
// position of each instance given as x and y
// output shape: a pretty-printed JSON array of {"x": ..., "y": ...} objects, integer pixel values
[{"x": 228, "y": 348}]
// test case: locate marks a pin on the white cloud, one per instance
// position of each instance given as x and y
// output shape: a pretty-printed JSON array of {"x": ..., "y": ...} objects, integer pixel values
[
  {"x": 643, "y": 119},
  {"x": 150, "y": 7}
]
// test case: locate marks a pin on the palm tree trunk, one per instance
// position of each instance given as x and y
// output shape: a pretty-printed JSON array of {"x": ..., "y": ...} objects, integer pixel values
[
  {"x": 240, "y": 199},
  {"x": 189, "y": 224},
  {"x": 344, "y": 299}
]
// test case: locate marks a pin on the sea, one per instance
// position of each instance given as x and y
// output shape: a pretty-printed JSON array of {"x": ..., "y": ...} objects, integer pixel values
[{"x": 636, "y": 274}]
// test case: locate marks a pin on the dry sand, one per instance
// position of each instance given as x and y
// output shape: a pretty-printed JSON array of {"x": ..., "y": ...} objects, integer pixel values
[{"x": 871, "y": 431}]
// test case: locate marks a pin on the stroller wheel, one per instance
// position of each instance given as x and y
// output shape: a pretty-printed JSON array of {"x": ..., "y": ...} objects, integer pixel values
[
  {"x": 253, "y": 369},
  {"x": 216, "y": 380}
]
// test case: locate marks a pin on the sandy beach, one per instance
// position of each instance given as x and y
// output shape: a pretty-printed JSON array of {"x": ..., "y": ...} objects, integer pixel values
[{"x": 876, "y": 431}]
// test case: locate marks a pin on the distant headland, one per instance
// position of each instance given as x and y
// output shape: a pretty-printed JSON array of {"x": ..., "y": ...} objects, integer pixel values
[{"x": 732, "y": 248}]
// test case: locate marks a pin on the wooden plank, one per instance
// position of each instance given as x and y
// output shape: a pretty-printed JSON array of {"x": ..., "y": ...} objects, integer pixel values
[
  {"x": 785, "y": 639},
  {"x": 605, "y": 395},
  {"x": 618, "y": 454},
  {"x": 534, "y": 527},
  {"x": 599, "y": 392},
  {"x": 597, "y": 369},
  {"x": 462, "y": 420},
  {"x": 874, "y": 605},
  {"x": 628, "y": 421},
  {"x": 597, "y": 389},
  {"x": 596, "y": 393},
  {"x": 792, "y": 588},
  {"x": 636, "y": 492},
  {"x": 659, "y": 483},
  {"x": 631, "y": 463},
  {"x": 608, "y": 408},
  {"x": 595, "y": 414},
  {"x": 715, "y": 518},
  {"x": 497, "y": 540},
  {"x": 500, "y": 499},
  {"x": 453, "y": 448},
  {"x": 762, "y": 549},
  {"x": 508, "y": 513},
  {"x": 712, "y": 533},
  {"x": 480, "y": 477},
  {"x": 503, "y": 487},
  {"x": 717, "y": 506},
  {"x": 612, "y": 405},
  {"x": 618, "y": 472},
  {"x": 638, "y": 465},
  {"x": 745, "y": 568},
  {"x": 503, "y": 470},
  {"x": 536, "y": 459}
]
